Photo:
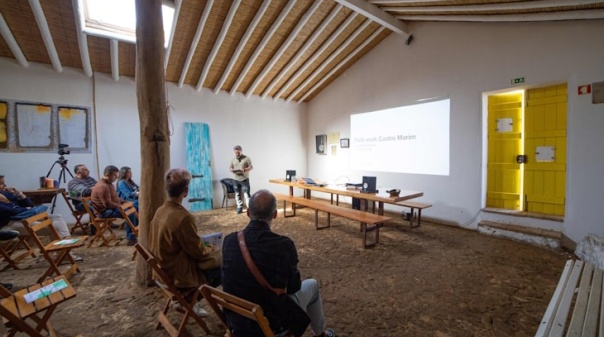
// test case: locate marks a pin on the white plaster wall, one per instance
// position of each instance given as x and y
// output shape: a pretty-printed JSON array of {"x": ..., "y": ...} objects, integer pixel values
[
  {"x": 462, "y": 61},
  {"x": 271, "y": 133}
]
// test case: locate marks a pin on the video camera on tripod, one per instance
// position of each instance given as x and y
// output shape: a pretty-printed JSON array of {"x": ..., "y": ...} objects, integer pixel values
[{"x": 63, "y": 149}]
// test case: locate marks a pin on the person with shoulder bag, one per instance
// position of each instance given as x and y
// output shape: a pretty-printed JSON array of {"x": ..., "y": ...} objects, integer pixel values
[{"x": 261, "y": 266}]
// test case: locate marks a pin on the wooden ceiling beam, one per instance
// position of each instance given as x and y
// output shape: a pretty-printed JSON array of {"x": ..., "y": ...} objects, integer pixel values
[
  {"x": 591, "y": 14},
  {"x": 399, "y": 2},
  {"x": 46, "y": 36},
  {"x": 263, "y": 44},
  {"x": 376, "y": 14},
  {"x": 78, "y": 14},
  {"x": 316, "y": 54},
  {"x": 331, "y": 57},
  {"x": 225, "y": 28},
  {"x": 115, "y": 61},
  {"x": 12, "y": 43},
  {"x": 195, "y": 42},
  {"x": 303, "y": 50},
  {"x": 342, "y": 63},
  {"x": 292, "y": 36},
  {"x": 510, "y": 6},
  {"x": 242, "y": 43},
  {"x": 177, "y": 5}
]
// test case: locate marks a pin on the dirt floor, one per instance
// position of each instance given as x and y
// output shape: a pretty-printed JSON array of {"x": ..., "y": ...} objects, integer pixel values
[{"x": 434, "y": 280}]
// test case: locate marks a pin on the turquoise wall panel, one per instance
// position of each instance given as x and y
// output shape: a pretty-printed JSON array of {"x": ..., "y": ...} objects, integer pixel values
[{"x": 201, "y": 192}]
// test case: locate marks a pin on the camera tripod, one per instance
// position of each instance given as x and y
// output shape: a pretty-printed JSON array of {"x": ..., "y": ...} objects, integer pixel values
[{"x": 63, "y": 163}]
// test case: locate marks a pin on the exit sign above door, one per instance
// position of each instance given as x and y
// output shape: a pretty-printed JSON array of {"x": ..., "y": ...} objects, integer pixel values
[{"x": 518, "y": 80}]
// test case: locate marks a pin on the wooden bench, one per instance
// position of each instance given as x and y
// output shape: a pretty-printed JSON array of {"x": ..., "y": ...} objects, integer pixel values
[
  {"x": 414, "y": 205},
  {"x": 365, "y": 218},
  {"x": 586, "y": 299}
]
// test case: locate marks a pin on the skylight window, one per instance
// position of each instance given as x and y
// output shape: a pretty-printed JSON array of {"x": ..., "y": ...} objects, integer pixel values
[{"x": 116, "y": 19}]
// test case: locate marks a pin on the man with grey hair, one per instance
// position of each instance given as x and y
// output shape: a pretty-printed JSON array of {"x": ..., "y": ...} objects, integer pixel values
[
  {"x": 276, "y": 258},
  {"x": 176, "y": 243},
  {"x": 240, "y": 166}
]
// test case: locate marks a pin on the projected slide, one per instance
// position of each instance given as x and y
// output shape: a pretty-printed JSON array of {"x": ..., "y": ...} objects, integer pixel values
[{"x": 408, "y": 139}]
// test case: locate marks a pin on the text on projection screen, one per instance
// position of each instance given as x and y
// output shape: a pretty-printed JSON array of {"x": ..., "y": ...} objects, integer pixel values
[{"x": 408, "y": 139}]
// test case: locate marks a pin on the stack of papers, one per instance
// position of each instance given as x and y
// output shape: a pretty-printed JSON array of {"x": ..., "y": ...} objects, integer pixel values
[
  {"x": 213, "y": 239},
  {"x": 67, "y": 241},
  {"x": 45, "y": 291}
]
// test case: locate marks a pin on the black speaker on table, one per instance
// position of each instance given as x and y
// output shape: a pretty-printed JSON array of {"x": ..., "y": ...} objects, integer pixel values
[
  {"x": 290, "y": 174},
  {"x": 368, "y": 185}
]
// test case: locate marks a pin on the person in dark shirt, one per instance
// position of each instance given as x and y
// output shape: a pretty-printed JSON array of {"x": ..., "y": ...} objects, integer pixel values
[{"x": 277, "y": 260}]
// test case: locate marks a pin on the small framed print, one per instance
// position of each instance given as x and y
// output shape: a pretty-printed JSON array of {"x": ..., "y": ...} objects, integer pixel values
[{"x": 344, "y": 143}]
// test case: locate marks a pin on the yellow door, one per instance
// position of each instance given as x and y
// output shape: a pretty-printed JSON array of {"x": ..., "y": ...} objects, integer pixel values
[
  {"x": 505, "y": 143},
  {"x": 545, "y": 147}
]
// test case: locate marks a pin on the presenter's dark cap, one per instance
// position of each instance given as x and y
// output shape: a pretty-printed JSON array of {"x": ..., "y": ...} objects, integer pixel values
[{"x": 237, "y": 147}]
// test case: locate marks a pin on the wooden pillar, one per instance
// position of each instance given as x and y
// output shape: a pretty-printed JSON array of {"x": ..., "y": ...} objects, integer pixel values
[{"x": 152, "y": 111}]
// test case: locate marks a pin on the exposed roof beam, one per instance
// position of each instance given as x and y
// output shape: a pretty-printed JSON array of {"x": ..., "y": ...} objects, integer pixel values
[
  {"x": 342, "y": 63},
  {"x": 283, "y": 47},
  {"x": 302, "y": 50},
  {"x": 316, "y": 54},
  {"x": 331, "y": 57},
  {"x": 177, "y": 5},
  {"x": 195, "y": 42},
  {"x": 492, "y": 6},
  {"x": 115, "y": 61},
  {"x": 591, "y": 14},
  {"x": 46, "y": 37},
  {"x": 225, "y": 28},
  {"x": 394, "y": 2},
  {"x": 242, "y": 43},
  {"x": 78, "y": 13},
  {"x": 12, "y": 43},
  {"x": 263, "y": 43},
  {"x": 374, "y": 13}
]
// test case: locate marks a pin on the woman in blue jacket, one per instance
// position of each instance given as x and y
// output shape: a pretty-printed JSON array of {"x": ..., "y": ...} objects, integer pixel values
[{"x": 127, "y": 189}]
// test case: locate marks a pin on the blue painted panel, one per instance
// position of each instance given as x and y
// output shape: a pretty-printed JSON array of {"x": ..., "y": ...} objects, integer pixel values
[{"x": 198, "y": 163}]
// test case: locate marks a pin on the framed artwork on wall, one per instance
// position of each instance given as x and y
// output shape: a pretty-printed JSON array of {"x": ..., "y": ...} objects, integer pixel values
[
  {"x": 345, "y": 143},
  {"x": 321, "y": 144}
]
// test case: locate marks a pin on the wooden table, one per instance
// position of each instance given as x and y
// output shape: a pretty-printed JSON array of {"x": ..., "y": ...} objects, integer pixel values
[
  {"x": 380, "y": 197},
  {"x": 17, "y": 310},
  {"x": 43, "y": 195}
]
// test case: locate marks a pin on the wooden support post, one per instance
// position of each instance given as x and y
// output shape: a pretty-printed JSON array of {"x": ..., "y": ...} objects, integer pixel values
[{"x": 153, "y": 115}]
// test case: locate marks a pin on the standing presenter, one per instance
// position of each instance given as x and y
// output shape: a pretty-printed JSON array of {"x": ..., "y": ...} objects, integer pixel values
[{"x": 241, "y": 165}]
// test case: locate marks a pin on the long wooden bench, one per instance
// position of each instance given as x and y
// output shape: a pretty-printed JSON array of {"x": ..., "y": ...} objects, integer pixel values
[
  {"x": 585, "y": 301},
  {"x": 414, "y": 205},
  {"x": 369, "y": 222}
]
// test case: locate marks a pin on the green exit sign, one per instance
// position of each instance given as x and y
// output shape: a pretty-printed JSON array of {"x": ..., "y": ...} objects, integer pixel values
[{"x": 518, "y": 80}]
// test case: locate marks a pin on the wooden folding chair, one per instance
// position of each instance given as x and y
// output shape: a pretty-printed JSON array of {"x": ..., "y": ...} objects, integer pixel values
[
  {"x": 127, "y": 209},
  {"x": 104, "y": 233},
  {"x": 219, "y": 300},
  {"x": 57, "y": 250},
  {"x": 77, "y": 214},
  {"x": 33, "y": 318},
  {"x": 10, "y": 247},
  {"x": 173, "y": 295}
]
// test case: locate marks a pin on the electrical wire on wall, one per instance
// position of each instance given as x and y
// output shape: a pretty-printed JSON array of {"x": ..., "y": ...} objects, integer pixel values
[{"x": 469, "y": 222}]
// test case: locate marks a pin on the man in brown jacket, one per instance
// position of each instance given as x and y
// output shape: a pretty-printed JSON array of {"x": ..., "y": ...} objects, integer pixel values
[{"x": 176, "y": 243}]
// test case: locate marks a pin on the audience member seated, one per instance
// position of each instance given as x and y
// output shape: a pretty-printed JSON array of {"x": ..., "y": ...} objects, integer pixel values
[
  {"x": 277, "y": 260},
  {"x": 15, "y": 206},
  {"x": 177, "y": 245},
  {"x": 81, "y": 185},
  {"x": 127, "y": 189},
  {"x": 6, "y": 235},
  {"x": 106, "y": 202}
]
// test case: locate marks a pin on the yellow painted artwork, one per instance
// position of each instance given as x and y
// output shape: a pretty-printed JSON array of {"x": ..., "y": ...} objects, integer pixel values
[
  {"x": 334, "y": 150},
  {"x": 334, "y": 138}
]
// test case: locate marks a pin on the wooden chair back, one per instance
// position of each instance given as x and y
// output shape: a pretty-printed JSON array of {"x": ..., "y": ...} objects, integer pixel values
[
  {"x": 77, "y": 214},
  {"x": 219, "y": 300},
  {"x": 104, "y": 233},
  {"x": 56, "y": 250},
  {"x": 127, "y": 208},
  {"x": 14, "y": 251},
  {"x": 173, "y": 295}
]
